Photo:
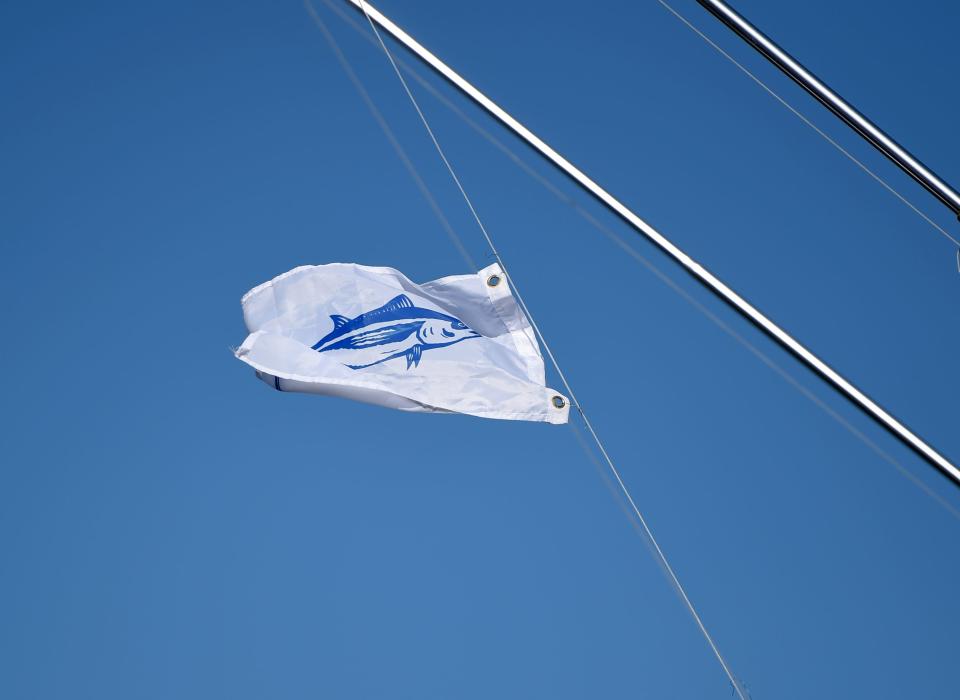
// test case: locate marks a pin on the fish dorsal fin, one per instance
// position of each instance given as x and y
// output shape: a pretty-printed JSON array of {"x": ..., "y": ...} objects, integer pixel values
[
  {"x": 339, "y": 320},
  {"x": 401, "y": 301}
]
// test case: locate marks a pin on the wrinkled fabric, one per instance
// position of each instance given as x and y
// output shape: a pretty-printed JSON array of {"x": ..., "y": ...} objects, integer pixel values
[{"x": 459, "y": 344}]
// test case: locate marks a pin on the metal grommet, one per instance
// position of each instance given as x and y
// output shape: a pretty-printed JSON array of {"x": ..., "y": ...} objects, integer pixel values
[
  {"x": 558, "y": 401},
  {"x": 493, "y": 280}
]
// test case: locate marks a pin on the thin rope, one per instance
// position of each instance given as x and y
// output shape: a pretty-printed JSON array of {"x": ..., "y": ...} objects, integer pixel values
[
  {"x": 391, "y": 137},
  {"x": 809, "y": 123},
  {"x": 654, "y": 269},
  {"x": 623, "y": 487}
]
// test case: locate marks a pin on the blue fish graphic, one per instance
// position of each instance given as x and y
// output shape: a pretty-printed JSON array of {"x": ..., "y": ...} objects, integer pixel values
[{"x": 396, "y": 329}]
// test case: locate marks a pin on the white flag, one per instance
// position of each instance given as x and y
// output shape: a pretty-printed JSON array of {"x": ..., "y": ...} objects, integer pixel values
[{"x": 458, "y": 344}]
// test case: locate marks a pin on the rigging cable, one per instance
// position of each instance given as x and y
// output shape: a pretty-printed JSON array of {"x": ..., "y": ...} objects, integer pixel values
[
  {"x": 632, "y": 252},
  {"x": 807, "y": 121},
  {"x": 391, "y": 137},
  {"x": 573, "y": 399}
]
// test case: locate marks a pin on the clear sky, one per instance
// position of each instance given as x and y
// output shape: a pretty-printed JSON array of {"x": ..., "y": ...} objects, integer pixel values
[{"x": 172, "y": 528}]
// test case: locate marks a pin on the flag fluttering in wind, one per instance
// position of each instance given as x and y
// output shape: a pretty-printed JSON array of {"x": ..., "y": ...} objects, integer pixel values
[{"x": 459, "y": 344}]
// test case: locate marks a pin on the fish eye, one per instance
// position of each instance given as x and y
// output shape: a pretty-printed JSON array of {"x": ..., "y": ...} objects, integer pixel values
[{"x": 458, "y": 325}]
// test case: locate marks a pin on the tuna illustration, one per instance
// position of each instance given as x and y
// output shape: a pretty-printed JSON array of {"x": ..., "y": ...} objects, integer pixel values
[{"x": 396, "y": 329}]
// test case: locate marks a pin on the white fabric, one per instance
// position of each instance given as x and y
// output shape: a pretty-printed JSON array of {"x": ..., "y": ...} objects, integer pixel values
[{"x": 456, "y": 344}]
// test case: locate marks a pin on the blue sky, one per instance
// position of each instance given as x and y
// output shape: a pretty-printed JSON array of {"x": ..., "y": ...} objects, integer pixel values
[{"x": 170, "y": 527}]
